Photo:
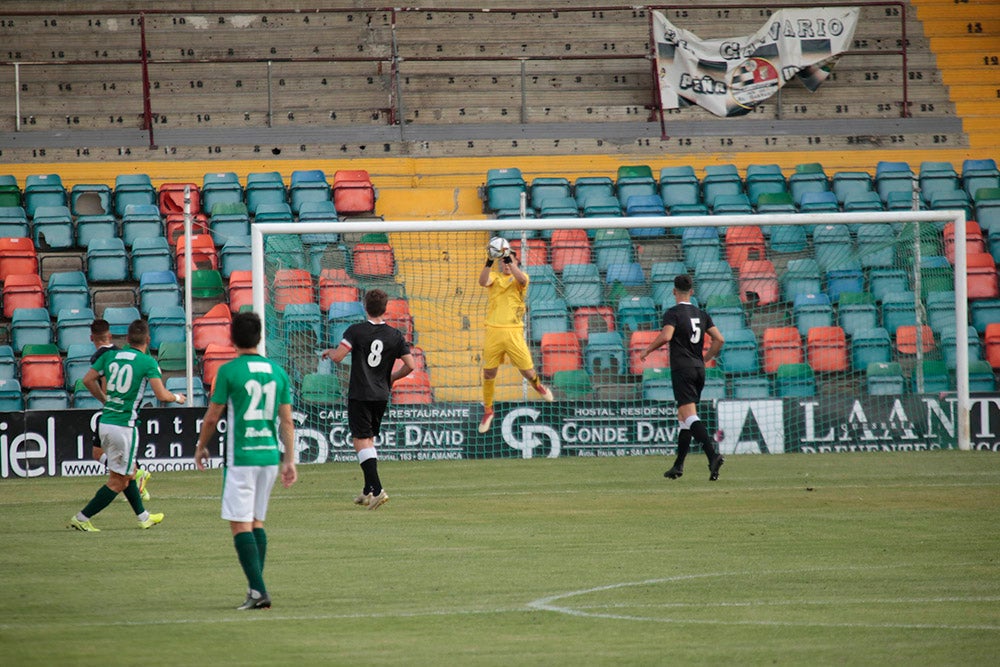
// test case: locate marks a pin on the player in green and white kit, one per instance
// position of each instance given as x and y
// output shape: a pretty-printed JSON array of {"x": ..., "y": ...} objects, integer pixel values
[
  {"x": 127, "y": 370},
  {"x": 256, "y": 392}
]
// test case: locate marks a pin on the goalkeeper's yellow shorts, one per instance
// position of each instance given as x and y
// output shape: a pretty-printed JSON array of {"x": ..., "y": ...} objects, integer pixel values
[{"x": 506, "y": 342}]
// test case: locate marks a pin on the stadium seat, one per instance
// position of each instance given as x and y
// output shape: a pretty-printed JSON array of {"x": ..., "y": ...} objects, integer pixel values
[
  {"x": 727, "y": 313},
  {"x": 940, "y": 309},
  {"x": 415, "y": 388},
  {"x": 207, "y": 284},
  {"x": 983, "y": 313},
  {"x": 844, "y": 277},
  {"x": 303, "y": 318},
  {"x": 93, "y": 227},
  {"x": 547, "y": 316},
  {"x": 196, "y": 399},
  {"x": 235, "y": 256},
  {"x": 781, "y": 345},
  {"x": 73, "y": 327},
  {"x": 166, "y": 324},
  {"x": 731, "y": 204},
  {"x": 47, "y": 399},
  {"x": 353, "y": 192},
  {"x": 893, "y": 176},
  {"x": 220, "y": 188},
  {"x": 119, "y": 317},
  {"x": 870, "y": 346},
  {"x": 90, "y": 200},
  {"x": 212, "y": 327},
  {"x": 948, "y": 344},
  {"x": 30, "y": 326},
  {"x": 983, "y": 281},
  {"x": 627, "y": 274},
  {"x": 133, "y": 190},
  {"x": 808, "y": 177},
  {"x": 981, "y": 377},
  {"x": 633, "y": 183},
  {"x": 308, "y": 185},
  {"x": 174, "y": 226},
  {"x": 341, "y": 316},
  {"x": 898, "y": 309},
  {"x": 77, "y": 362},
  {"x": 884, "y": 281},
  {"x": 759, "y": 283},
  {"x": 569, "y": 246},
  {"x": 158, "y": 288},
  {"x": 107, "y": 260},
  {"x": 788, "y": 238},
  {"x": 266, "y": 189},
  {"x": 140, "y": 221},
  {"x": 937, "y": 275},
  {"x": 43, "y": 190},
  {"x": 533, "y": 252},
  {"x": 17, "y": 256},
  {"x": 597, "y": 206},
  {"x": 763, "y": 180},
  {"x": 812, "y": 310},
  {"x": 592, "y": 318},
  {"x": 545, "y": 188},
  {"x": 714, "y": 278},
  {"x": 558, "y": 207},
  {"x": 170, "y": 198},
  {"x": 876, "y": 245},
  {"x": 991, "y": 338},
  {"x": 647, "y": 206},
  {"x": 560, "y": 352},
  {"x": 215, "y": 356},
  {"x": 794, "y": 380},
  {"x": 857, "y": 312},
  {"x": 818, "y": 202},
  {"x": 11, "y": 397},
  {"x": 203, "y": 253},
  {"x": 700, "y": 244},
  {"x": 657, "y": 385},
  {"x": 661, "y": 279},
  {"x": 680, "y": 189},
  {"x": 721, "y": 179},
  {"x": 321, "y": 389},
  {"x": 739, "y": 355},
  {"x": 826, "y": 349},
  {"x": 8, "y": 363},
  {"x": 906, "y": 339},
  {"x": 845, "y": 183},
  {"x": 335, "y": 285},
  {"x": 172, "y": 357},
  {"x": 504, "y": 188},
  {"x": 978, "y": 174},
  {"x": 936, "y": 176},
  {"x": 397, "y": 314},
  {"x": 975, "y": 243},
  {"x": 292, "y": 286},
  {"x": 637, "y": 343},
  {"x": 801, "y": 276},
  {"x": 586, "y": 187},
  {"x": 582, "y": 285},
  {"x": 884, "y": 378},
  {"x": 572, "y": 385},
  {"x": 373, "y": 259},
  {"x": 743, "y": 244},
  {"x": 637, "y": 312},
  {"x": 543, "y": 283},
  {"x": 775, "y": 202},
  {"x": 41, "y": 367},
  {"x": 150, "y": 253},
  {"x": 241, "y": 290},
  {"x": 52, "y": 228},
  {"x": 936, "y": 378},
  {"x": 228, "y": 221},
  {"x": 273, "y": 212},
  {"x": 22, "y": 291},
  {"x": 10, "y": 192},
  {"x": 14, "y": 222},
  {"x": 751, "y": 387}
]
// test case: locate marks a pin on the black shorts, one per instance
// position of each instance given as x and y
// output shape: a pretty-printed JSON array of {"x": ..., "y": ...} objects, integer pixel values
[
  {"x": 688, "y": 383},
  {"x": 365, "y": 418}
]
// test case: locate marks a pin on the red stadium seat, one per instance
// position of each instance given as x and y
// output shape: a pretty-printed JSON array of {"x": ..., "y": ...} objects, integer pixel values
[
  {"x": 782, "y": 345},
  {"x": 414, "y": 388},
  {"x": 639, "y": 341},
  {"x": 992, "y": 340},
  {"x": 292, "y": 286},
  {"x": 171, "y": 198},
  {"x": 585, "y": 319},
  {"x": 419, "y": 362},
  {"x": 397, "y": 314},
  {"x": 174, "y": 226},
  {"x": 757, "y": 277},
  {"x": 569, "y": 246},
  {"x": 335, "y": 286},
  {"x": 374, "y": 259},
  {"x": 536, "y": 253},
  {"x": 22, "y": 291},
  {"x": 215, "y": 355},
  {"x": 203, "y": 253},
  {"x": 17, "y": 257},
  {"x": 560, "y": 352},
  {"x": 826, "y": 348},
  {"x": 240, "y": 290},
  {"x": 42, "y": 367},
  {"x": 212, "y": 327},
  {"x": 744, "y": 244},
  {"x": 353, "y": 192},
  {"x": 906, "y": 339},
  {"x": 982, "y": 275}
]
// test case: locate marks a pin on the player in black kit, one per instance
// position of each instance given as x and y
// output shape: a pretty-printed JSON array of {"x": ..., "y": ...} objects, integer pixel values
[
  {"x": 684, "y": 327},
  {"x": 374, "y": 347}
]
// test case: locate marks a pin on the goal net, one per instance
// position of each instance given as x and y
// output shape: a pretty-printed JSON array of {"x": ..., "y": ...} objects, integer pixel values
[{"x": 844, "y": 331}]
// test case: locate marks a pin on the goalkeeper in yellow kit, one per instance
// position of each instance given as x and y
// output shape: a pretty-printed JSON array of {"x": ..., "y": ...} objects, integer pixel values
[{"x": 505, "y": 329}]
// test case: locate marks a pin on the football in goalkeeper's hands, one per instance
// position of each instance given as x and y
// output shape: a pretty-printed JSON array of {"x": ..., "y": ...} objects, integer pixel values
[{"x": 498, "y": 247}]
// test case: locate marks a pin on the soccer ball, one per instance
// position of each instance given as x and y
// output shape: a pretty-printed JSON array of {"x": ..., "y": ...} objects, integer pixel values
[{"x": 498, "y": 247}]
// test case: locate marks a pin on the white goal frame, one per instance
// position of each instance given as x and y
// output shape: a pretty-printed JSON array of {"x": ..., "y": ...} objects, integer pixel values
[{"x": 964, "y": 407}]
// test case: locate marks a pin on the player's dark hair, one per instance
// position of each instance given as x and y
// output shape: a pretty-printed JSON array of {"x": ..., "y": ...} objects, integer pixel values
[
  {"x": 375, "y": 302},
  {"x": 245, "y": 330},
  {"x": 682, "y": 283},
  {"x": 138, "y": 333},
  {"x": 100, "y": 327}
]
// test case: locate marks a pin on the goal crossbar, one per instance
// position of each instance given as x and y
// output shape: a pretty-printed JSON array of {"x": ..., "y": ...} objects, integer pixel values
[{"x": 956, "y": 216}]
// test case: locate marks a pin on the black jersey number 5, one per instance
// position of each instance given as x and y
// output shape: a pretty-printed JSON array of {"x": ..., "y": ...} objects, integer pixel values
[{"x": 695, "y": 329}]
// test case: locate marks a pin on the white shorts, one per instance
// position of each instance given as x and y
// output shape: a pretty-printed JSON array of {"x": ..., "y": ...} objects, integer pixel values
[
  {"x": 246, "y": 491},
  {"x": 121, "y": 444}
]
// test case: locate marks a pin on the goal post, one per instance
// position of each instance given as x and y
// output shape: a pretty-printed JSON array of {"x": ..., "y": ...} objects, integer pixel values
[{"x": 435, "y": 276}]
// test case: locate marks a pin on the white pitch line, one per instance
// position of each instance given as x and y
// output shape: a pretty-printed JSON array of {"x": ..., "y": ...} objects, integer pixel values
[{"x": 547, "y": 604}]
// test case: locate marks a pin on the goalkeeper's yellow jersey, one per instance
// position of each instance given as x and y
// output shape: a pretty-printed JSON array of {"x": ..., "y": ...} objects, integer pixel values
[{"x": 505, "y": 307}]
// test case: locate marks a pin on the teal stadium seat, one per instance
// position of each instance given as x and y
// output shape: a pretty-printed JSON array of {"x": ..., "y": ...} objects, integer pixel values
[
  {"x": 740, "y": 353},
  {"x": 722, "y": 179},
  {"x": 8, "y": 363},
  {"x": 812, "y": 310},
  {"x": 885, "y": 378},
  {"x": 308, "y": 185},
  {"x": 89, "y": 227},
  {"x": 605, "y": 353},
  {"x": 795, "y": 380},
  {"x": 845, "y": 183},
  {"x": 235, "y": 255},
  {"x": 582, "y": 285},
  {"x": 801, "y": 276},
  {"x": 948, "y": 343},
  {"x": 856, "y": 312},
  {"x": 978, "y": 174},
  {"x": 265, "y": 189},
  {"x": 47, "y": 399},
  {"x": 77, "y": 362},
  {"x": 11, "y": 398},
  {"x": 43, "y": 190},
  {"x": 936, "y": 177},
  {"x": 73, "y": 327},
  {"x": 637, "y": 312},
  {"x": 748, "y": 387},
  {"x": 166, "y": 324},
  {"x": 13, "y": 222},
  {"x": 873, "y": 345},
  {"x": 90, "y": 200},
  {"x": 150, "y": 253},
  {"x": 657, "y": 385},
  {"x": 549, "y": 316},
  {"x": 590, "y": 186},
  {"x": 220, "y": 188},
  {"x": 503, "y": 190},
  {"x": 52, "y": 228},
  {"x": 119, "y": 317},
  {"x": 273, "y": 212},
  {"x": 158, "y": 288},
  {"x": 133, "y": 190},
  {"x": 542, "y": 189},
  {"x": 106, "y": 260},
  {"x": 67, "y": 289},
  {"x": 300, "y": 318},
  {"x": 893, "y": 177},
  {"x": 30, "y": 326}
]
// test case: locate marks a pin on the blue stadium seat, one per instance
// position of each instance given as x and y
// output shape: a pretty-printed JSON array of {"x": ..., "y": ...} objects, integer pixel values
[
  {"x": 818, "y": 202},
  {"x": 342, "y": 315},
  {"x": 700, "y": 244},
  {"x": 842, "y": 278},
  {"x": 158, "y": 288},
  {"x": 166, "y": 324},
  {"x": 627, "y": 274}
]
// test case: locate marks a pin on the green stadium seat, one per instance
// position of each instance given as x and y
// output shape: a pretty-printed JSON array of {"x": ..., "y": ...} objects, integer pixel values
[
  {"x": 795, "y": 380},
  {"x": 981, "y": 377},
  {"x": 885, "y": 378},
  {"x": 321, "y": 389},
  {"x": 10, "y": 192},
  {"x": 172, "y": 357},
  {"x": 572, "y": 385}
]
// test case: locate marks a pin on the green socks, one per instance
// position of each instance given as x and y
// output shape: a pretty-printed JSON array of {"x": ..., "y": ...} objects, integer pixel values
[
  {"x": 134, "y": 498},
  {"x": 102, "y": 499},
  {"x": 261, "y": 538},
  {"x": 246, "y": 549}
]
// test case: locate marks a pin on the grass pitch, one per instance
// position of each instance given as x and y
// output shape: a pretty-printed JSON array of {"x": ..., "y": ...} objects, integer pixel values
[{"x": 835, "y": 559}]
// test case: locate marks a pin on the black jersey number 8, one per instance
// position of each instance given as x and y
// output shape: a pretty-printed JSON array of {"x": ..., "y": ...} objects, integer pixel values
[
  {"x": 695, "y": 329},
  {"x": 375, "y": 353}
]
